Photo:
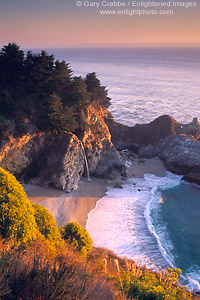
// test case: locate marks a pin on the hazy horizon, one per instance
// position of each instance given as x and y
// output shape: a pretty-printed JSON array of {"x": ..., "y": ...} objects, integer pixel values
[{"x": 50, "y": 24}]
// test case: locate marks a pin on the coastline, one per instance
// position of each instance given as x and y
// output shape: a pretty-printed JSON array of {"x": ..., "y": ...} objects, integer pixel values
[{"x": 75, "y": 206}]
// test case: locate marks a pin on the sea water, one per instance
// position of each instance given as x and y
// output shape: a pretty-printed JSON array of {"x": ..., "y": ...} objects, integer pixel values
[
  {"x": 153, "y": 220},
  {"x": 143, "y": 83}
]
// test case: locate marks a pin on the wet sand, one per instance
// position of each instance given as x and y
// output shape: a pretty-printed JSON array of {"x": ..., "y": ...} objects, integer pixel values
[
  {"x": 153, "y": 165},
  {"x": 75, "y": 206}
]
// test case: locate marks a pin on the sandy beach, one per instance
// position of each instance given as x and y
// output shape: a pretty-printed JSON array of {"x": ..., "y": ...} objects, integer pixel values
[{"x": 75, "y": 206}]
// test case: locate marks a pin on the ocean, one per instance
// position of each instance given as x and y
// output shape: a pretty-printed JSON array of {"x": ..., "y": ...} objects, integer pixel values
[
  {"x": 153, "y": 220},
  {"x": 143, "y": 83}
]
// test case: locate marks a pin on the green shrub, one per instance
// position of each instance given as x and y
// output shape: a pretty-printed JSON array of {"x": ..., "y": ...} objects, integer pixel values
[
  {"x": 149, "y": 287},
  {"x": 17, "y": 221},
  {"x": 78, "y": 236},
  {"x": 46, "y": 223}
]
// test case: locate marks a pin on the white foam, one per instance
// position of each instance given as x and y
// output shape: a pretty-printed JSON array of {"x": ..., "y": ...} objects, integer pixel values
[
  {"x": 155, "y": 228},
  {"x": 193, "y": 276},
  {"x": 122, "y": 221}
]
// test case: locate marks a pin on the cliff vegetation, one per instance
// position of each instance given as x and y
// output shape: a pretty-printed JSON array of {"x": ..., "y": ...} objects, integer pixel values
[
  {"x": 37, "y": 263},
  {"x": 47, "y": 115},
  {"x": 37, "y": 89}
]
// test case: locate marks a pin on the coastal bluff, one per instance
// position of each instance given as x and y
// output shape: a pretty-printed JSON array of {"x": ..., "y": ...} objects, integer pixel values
[
  {"x": 57, "y": 159},
  {"x": 176, "y": 144}
]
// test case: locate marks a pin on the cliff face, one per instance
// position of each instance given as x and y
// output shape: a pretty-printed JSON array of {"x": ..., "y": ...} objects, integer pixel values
[
  {"x": 44, "y": 158},
  {"x": 104, "y": 161},
  {"x": 47, "y": 158},
  {"x": 177, "y": 145},
  {"x": 142, "y": 134},
  {"x": 57, "y": 159}
]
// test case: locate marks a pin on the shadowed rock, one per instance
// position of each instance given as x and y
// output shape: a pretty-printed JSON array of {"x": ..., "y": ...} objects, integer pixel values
[{"x": 141, "y": 134}]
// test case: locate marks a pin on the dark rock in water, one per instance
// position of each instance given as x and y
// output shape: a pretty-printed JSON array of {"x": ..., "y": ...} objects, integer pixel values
[
  {"x": 117, "y": 186},
  {"x": 193, "y": 175},
  {"x": 180, "y": 154},
  {"x": 192, "y": 129}
]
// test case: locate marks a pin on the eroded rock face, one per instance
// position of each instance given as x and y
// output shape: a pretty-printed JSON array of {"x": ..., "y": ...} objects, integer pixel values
[
  {"x": 60, "y": 163},
  {"x": 45, "y": 159},
  {"x": 16, "y": 154},
  {"x": 103, "y": 159},
  {"x": 140, "y": 135},
  {"x": 181, "y": 155},
  {"x": 57, "y": 159}
]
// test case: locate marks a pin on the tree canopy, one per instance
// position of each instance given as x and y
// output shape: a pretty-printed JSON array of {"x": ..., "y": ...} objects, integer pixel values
[{"x": 41, "y": 89}]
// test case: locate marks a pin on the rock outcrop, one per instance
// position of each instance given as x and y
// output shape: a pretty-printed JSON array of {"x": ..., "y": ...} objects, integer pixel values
[
  {"x": 44, "y": 159},
  {"x": 47, "y": 158},
  {"x": 140, "y": 135},
  {"x": 177, "y": 145},
  {"x": 180, "y": 154},
  {"x": 125, "y": 137},
  {"x": 103, "y": 159}
]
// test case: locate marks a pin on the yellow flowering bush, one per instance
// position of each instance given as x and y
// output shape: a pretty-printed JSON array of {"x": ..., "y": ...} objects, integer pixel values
[
  {"x": 47, "y": 226},
  {"x": 17, "y": 221},
  {"x": 78, "y": 236}
]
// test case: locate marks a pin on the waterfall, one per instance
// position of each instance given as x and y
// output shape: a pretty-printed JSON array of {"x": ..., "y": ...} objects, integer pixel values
[{"x": 86, "y": 162}]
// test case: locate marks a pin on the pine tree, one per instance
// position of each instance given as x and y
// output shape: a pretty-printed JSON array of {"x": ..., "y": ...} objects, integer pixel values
[
  {"x": 61, "y": 117},
  {"x": 97, "y": 91}
]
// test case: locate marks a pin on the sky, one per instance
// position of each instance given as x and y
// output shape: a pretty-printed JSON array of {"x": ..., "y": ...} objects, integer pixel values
[{"x": 72, "y": 23}]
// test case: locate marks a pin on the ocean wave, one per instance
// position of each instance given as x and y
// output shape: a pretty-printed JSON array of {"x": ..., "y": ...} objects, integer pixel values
[
  {"x": 193, "y": 276},
  {"x": 128, "y": 222},
  {"x": 118, "y": 222},
  {"x": 151, "y": 213}
]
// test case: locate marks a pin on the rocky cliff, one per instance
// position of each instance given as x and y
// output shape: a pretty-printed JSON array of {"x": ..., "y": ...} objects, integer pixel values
[
  {"x": 142, "y": 135},
  {"x": 177, "y": 145},
  {"x": 47, "y": 158}
]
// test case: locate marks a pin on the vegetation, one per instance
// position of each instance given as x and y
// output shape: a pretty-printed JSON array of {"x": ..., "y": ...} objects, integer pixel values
[
  {"x": 78, "y": 237},
  {"x": 145, "y": 285},
  {"x": 21, "y": 221},
  {"x": 40, "y": 89},
  {"x": 31, "y": 273},
  {"x": 36, "y": 262},
  {"x": 17, "y": 221},
  {"x": 47, "y": 226}
]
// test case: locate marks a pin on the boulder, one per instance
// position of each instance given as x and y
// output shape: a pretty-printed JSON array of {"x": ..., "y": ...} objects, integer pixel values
[
  {"x": 60, "y": 164},
  {"x": 180, "y": 154},
  {"x": 45, "y": 159},
  {"x": 110, "y": 165},
  {"x": 193, "y": 175}
]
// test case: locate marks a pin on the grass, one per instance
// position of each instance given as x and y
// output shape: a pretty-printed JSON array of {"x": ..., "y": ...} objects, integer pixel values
[{"x": 34, "y": 273}]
